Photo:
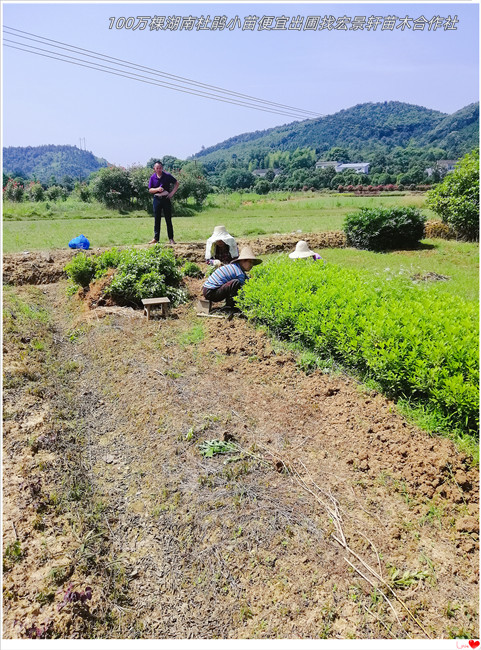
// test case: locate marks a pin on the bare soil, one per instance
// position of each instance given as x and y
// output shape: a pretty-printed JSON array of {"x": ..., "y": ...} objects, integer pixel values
[
  {"x": 335, "y": 518},
  {"x": 34, "y": 267}
]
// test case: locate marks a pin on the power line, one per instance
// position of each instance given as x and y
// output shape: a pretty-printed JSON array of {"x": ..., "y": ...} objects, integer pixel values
[
  {"x": 92, "y": 54},
  {"x": 217, "y": 93},
  {"x": 135, "y": 77}
]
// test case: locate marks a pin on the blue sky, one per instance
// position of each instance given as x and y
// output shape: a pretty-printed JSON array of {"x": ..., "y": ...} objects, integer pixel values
[{"x": 127, "y": 122}]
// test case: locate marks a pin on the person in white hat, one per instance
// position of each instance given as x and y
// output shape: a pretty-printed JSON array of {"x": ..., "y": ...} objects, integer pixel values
[
  {"x": 224, "y": 283},
  {"x": 221, "y": 248},
  {"x": 303, "y": 251}
]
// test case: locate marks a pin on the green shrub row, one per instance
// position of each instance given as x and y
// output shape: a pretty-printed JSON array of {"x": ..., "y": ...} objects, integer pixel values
[
  {"x": 139, "y": 273},
  {"x": 413, "y": 342}
]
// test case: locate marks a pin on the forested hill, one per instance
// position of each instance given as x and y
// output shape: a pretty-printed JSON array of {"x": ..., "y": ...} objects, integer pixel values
[
  {"x": 50, "y": 160},
  {"x": 363, "y": 129}
]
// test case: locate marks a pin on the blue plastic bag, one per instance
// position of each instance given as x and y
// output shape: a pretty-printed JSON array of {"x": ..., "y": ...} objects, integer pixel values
[{"x": 79, "y": 242}]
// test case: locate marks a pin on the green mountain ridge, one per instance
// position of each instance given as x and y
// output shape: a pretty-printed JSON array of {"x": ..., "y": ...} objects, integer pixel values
[
  {"x": 49, "y": 160},
  {"x": 364, "y": 129}
]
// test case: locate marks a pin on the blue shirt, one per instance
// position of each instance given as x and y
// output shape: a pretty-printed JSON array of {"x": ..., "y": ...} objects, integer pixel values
[{"x": 224, "y": 274}]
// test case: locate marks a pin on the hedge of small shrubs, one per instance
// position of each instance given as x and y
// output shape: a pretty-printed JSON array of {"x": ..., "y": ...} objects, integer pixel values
[
  {"x": 414, "y": 343},
  {"x": 384, "y": 228},
  {"x": 139, "y": 273}
]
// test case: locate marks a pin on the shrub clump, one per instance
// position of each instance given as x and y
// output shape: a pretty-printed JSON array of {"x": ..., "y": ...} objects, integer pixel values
[
  {"x": 139, "y": 274},
  {"x": 192, "y": 270},
  {"x": 81, "y": 270},
  {"x": 384, "y": 228},
  {"x": 456, "y": 199},
  {"x": 416, "y": 344}
]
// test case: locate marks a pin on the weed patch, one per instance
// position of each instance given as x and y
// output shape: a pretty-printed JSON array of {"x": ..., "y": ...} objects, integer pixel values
[{"x": 211, "y": 448}]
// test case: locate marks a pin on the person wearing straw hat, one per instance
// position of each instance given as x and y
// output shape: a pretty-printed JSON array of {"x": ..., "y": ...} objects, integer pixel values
[
  {"x": 303, "y": 251},
  {"x": 224, "y": 283},
  {"x": 221, "y": 248}
]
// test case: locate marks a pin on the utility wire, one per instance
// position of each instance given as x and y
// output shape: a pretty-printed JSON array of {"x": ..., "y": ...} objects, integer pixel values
[
  {"x": 240, "y": 98},
  {"x": 135, "y": 77}
]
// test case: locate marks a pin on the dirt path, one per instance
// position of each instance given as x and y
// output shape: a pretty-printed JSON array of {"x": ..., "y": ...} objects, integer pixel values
[{"x": 333, "y": 519}]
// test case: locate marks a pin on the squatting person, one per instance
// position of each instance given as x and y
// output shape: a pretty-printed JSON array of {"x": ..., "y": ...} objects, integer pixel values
[
  {"x": 225, "y": 282},
  {"x": 220, "y": 248},
  {"x": 162, "y": 186},
  {"x": 302, "y": 251}
]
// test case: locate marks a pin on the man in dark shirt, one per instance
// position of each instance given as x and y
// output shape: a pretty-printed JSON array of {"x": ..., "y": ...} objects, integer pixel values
[{"x": 162, "y": 186}]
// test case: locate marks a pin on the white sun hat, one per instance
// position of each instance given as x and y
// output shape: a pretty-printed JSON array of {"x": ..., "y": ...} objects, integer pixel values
[
  {"x": 220, "y": 232},
  {"x": 302, "y": 250}
]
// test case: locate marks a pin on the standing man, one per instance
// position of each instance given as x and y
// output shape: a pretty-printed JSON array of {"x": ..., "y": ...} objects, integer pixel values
[{"x": 162, "y": 186}]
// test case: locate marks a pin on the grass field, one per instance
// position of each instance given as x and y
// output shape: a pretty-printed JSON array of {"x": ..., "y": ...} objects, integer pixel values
[
  {"x": 40, "y": 226},
  {"x": 457, "y": 261}
]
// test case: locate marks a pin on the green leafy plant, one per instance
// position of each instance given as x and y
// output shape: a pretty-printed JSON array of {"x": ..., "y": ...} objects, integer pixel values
[
  {"x": 146, "y": 274},
  {"x": 211, "y": 448},
  {"x": 109, "y": 259},
  {"x": 12, "y": 554},
  {"x": 72, "y": 289},
  {"x": 192, "y": 270},
  {"x": 406, "y": 579},
  {"x": 384, "y": 228},
  {"x": 81, "y": 270}
]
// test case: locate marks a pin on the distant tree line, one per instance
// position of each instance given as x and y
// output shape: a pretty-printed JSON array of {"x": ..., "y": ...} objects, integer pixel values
[
  {"x": 296, "y": 170},
  {"x": 116, "y": 187},
  {"x": 125, "y": 189}
]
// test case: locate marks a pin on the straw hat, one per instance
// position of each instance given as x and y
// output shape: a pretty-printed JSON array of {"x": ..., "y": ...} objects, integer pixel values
[
  {"x": 247, "y": 254},
  {"x": 220, "y": 233},
  {"x": 302, "y": 250}
]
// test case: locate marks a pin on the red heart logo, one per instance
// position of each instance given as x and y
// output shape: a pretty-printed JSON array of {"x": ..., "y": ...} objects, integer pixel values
[{"x": 474, "y": 644}]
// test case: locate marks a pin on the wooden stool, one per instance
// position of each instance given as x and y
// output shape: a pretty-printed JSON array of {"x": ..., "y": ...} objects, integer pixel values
[
  {"x": 153, "y": 302},
  {"x": 204, "y": 306}
]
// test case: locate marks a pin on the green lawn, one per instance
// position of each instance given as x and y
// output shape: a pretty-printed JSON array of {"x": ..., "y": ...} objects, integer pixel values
[
  {"x": 458, "y": 261},
  {"x": 40, "y": 226}
]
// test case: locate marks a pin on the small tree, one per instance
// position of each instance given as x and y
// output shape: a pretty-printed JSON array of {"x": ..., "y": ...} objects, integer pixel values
[
  {"x": 56, "y": 192},
  {"x": 82, "y": 191},
  {"x": 35, "y": 192},
  {"x": 456, "y": 199},
  {"x": 68, "y": 183},
  {"x": 139, "y": 180},
  {"x": 237, "y": 179},
  {"x": 13, "y": 190},
  {"x": 111, "y": 186},
  {"x": 262, "y": 186},
  {"x": 192, "y": 184}
]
